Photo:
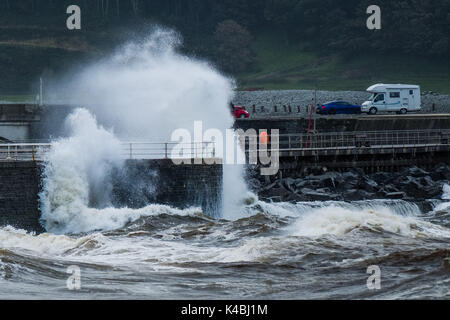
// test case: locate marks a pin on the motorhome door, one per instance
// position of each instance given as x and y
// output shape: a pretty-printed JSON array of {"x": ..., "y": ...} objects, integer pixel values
[
  {"x": 394, "y": 103},
  {"x": 411, "y": 97}
]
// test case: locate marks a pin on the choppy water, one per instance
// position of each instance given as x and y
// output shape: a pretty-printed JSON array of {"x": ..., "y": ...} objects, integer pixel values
[
  {"x": 265, "y": 251},
  {"x": 276, "y": 251}
]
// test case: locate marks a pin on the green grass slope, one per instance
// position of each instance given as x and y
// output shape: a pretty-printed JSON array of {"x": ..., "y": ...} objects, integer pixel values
[
  {"x": 27, "y": 53},
  {"x": 289, "y": 67}
]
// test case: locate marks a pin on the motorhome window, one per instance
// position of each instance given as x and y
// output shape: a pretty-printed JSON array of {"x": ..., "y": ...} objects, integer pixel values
[
  {"x": 379, "y": 97},
  {"x": 411, "y": 92},
  {"x": 394, "y": 94}
]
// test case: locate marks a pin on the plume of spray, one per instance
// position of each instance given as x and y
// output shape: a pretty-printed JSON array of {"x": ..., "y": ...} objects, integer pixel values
[
  {"x": 445, "y": 196},
  {"x": 145, "y": 90},
  {"x": 76, "y": 172}
]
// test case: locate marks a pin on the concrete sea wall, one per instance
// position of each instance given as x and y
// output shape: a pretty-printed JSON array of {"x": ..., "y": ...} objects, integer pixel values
[
  {"x": 338, "y": 124},
  {"x": 137, "y": 184},
  {"x": 141, "y": 182},
  {"x": 20, "y": 184}
]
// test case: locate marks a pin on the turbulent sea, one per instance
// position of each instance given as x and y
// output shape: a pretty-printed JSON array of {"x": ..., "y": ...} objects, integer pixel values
[
  {"x": 260, "y": 250},
  {"x": 318, "y": 250}
]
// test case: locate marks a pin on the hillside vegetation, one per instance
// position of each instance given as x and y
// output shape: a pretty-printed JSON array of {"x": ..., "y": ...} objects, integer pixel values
[
  {"x": 290, "y": 67},
  {"x": 277, "y": 44}
]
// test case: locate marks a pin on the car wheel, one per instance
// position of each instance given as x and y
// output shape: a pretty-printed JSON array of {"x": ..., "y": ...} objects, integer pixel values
[
  {"x": 403, "y": 111},
  {"x": 373, "y": 111}
]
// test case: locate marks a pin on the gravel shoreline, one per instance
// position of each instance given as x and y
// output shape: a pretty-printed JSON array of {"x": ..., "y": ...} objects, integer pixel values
[{"x": 295, "y": 102}]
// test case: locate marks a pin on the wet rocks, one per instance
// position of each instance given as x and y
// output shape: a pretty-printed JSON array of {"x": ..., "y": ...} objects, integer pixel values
[
  {"x": 368, "y": 184},
  {"x": 357, "y": 194},
  {"x": 395, "y": 195},
  {"x": 440, "y": 172},
  {"x": 323, "y": 194},
  {"x": 320, "y": 185}
]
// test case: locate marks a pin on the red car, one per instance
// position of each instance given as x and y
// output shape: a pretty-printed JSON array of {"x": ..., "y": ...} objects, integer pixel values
[{"x": 240, "y": 113}]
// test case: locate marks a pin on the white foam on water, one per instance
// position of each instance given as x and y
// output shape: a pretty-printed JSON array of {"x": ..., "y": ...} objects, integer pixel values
[
  {"x": 139, "y": 250},
  {"x": 319, "y": 218},
  {"x": 46, "y": 244},
  {"x": 134, "y": 252},
  {"x": 334, "y": 219},
  {"x": 445, "y": 196},
  {"x": 287, "y": 209},
  {"x": 100, "y": 249}
]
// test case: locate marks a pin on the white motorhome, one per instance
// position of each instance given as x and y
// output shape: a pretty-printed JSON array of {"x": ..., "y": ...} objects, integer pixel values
[{"x": 399, "y": 98}]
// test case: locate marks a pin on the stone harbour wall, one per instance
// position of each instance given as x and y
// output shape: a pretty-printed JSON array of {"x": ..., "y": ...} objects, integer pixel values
[
  {"x": 20, "y": 184},
  {"x": 135, "y": 185}
]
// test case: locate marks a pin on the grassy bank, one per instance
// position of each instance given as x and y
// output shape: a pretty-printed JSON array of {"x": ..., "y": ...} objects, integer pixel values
[
  {"x": 290, "y": 67},
  {"x": 23, "y": 59},
  {"x": 17, "y": 98}
]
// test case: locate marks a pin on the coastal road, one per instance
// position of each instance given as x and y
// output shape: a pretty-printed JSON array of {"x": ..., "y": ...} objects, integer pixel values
[{"x": 351, "y": 116}]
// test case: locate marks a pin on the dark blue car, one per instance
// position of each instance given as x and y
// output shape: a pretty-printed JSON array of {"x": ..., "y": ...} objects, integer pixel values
[{"x": 338, "y": 107}]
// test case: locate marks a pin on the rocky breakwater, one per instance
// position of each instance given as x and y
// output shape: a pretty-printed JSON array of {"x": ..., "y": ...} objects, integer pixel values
[{"x": 412, "y": 184}]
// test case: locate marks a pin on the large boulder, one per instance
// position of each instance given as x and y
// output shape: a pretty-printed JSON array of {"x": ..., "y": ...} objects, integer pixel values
[
  {"x": 389, "y": 188},
  {"x": 358, "y": 194},
  {"x": 414, "y": 172},
  {"x": 382, "y": 177},
  {"x": 395, "y": 195},
  {"x": 326, "y": 180},
  {"x": 278, "y": 192},
  {"x": 289, "y": 184},
  {"x": 319, "y": 195},
  {"x": 301, "y": 183},
  {"x": 414, "y": 188},
  {"x": 440, "y": 172},
  {"x": 368, "y": 185},
  {"x": 254, "y": 184}
]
